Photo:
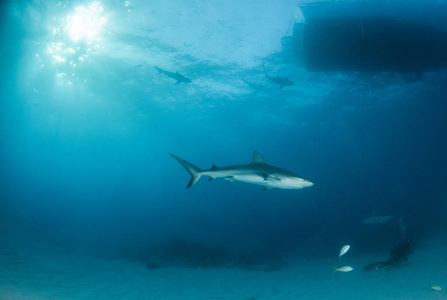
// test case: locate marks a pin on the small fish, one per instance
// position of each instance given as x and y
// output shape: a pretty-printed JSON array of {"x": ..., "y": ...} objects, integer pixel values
[
  {"x": 343, "y": 250},
  {"x": 343, "y": 269},
  {"x": 436, "y": 288}
]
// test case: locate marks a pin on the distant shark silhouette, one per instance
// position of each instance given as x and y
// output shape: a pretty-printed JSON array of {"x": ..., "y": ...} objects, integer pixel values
[
  {"x": 176, "y": 76},
  {"x": 278, "y": 80},
  {"x": 257, "y": 172},
  {"x": 254, "y": 85},
  {"x": 377, "y": 219}
]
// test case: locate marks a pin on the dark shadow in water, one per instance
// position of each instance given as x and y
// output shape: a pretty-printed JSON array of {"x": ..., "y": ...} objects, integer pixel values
[{"x": 178, "y": 252}]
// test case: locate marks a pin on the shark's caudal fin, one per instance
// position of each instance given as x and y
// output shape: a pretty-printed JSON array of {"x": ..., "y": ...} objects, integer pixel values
[{"x": 193, "y": 170}]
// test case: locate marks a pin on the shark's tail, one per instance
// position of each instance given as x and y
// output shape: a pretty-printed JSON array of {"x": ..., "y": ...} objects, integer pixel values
[{"x": 193, "y": 170}]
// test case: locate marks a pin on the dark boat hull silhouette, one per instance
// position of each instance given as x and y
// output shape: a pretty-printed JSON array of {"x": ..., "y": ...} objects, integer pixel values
[{"x": 370, "y": 43}]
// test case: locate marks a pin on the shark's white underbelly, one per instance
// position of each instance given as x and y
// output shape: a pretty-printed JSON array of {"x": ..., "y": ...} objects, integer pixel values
[
  {"x": 249, "y": 178},
  {"x": 269, "y": 182},
  {"x": 259, "y": 179},
  {"x": 267, "y": 176}
]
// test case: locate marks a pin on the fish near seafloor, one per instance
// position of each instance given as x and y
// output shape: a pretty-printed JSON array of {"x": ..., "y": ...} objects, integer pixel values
[
  {"x": 256, "y": 172},
  {"x": 377, "y": 219},
  {"x": 343, "y": 269},
  {"x": 343, "y": 250}
]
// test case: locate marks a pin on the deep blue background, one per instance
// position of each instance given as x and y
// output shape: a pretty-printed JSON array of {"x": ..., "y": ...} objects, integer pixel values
[{"x": 86, "y": 167}]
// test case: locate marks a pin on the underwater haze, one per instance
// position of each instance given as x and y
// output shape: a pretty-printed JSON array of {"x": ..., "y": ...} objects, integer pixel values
[{"x": 92, "y": 206}]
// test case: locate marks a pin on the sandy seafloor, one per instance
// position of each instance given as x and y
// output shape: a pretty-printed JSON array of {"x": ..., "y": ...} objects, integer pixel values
[{"x": 41, "y": 272}]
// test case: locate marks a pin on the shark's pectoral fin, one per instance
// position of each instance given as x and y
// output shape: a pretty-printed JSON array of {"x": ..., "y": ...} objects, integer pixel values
[
  {"x": 267, "y": 188},
  {"x": 263, "y": 176},
  {"x": 281, "y": 87},
  {"x": 178, "y": 82},
  {"x": 214, "y": 167},
  {"x": 211, "y": 178},
  {"x": 229, "y": 178},
  {"x": 267, "y": 177}
]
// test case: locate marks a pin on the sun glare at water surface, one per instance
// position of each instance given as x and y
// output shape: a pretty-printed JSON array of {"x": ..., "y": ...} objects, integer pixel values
[
  {"x": 75, "y": 39},
  {"x": 77, "y": 34},
  {"x": 86, "y": 23}
]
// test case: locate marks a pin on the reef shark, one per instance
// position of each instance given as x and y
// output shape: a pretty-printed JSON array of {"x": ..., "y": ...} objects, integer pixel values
[
  {"x": 180, "y": 78},
  {"x": 278, "y": 80},
  {"x": 256, "y": 172}
]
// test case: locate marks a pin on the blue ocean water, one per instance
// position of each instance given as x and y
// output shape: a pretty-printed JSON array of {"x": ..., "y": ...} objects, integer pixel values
[{"x": 87, "y": 122}]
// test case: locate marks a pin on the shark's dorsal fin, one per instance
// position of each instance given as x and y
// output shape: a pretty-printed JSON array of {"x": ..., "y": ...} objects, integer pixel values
[
  {"x": 257, "y": 158},
  {"x": 214, "y": 167}
]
